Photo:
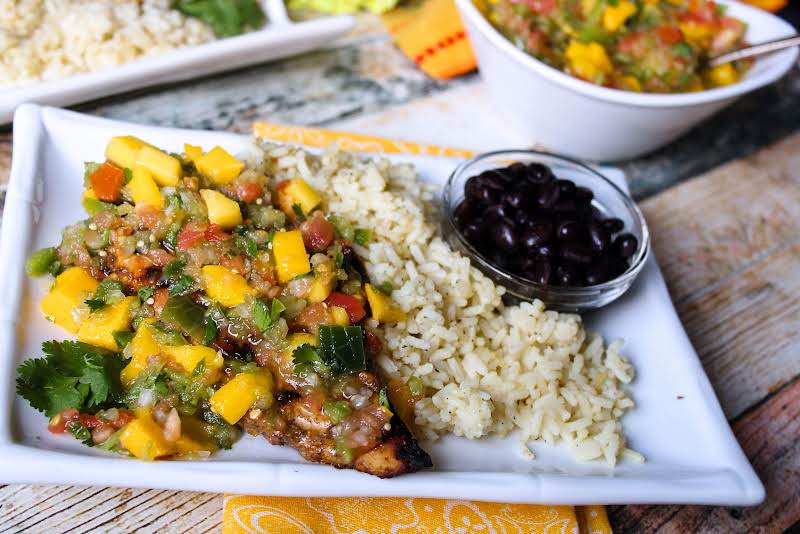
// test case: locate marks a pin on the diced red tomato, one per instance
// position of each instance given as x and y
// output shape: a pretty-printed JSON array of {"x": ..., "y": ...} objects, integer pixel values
[
  {"x": 351, "y": 305},
  {"x": 628, "y": 44},
  {"x": 123, "y": 419},
  {"x": 190, "y": 235},
  {"x": 317, "y": 233},
  {"x": 60, "y": 421},
  {"x": 537, "y": 41},
  {"x": 107, "y": 182},
  {"x": 669, "y": 35},
  {"x": 248, "y": 191},
  {"x": 701, "y": 11},
  {"x": 91, "y": 421},
  {"x": 214, "y": 233},
  {"x": 234, "y": 263}
]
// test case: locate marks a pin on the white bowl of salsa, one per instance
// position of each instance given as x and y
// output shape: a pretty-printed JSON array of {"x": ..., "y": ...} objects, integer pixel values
[{"x": 572, "y": 116}]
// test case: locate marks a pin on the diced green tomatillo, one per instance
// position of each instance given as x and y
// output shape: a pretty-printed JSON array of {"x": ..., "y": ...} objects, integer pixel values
[
  {"x": 336, "y": 411},
  {"x": 189, "y": 317},
  {"x": 40, "y": 262}
]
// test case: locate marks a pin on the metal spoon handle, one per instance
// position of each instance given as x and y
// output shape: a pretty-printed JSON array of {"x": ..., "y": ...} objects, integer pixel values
[{"x": 755, "y": 50}]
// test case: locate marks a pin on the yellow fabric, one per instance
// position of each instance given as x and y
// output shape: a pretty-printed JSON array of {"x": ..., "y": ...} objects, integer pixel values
[
  {"x": 296, "y": 515},
  {"x": 431, "y": 34},
  {"x": 290, "y": 515}
]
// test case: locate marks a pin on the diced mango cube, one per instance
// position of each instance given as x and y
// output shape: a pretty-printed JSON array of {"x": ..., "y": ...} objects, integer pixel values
[
  {"x": 190, "y": 356},
  {"x": 588, "y": 61},
  {"x": 219, "y": 166},
  {"x": 291, "y": 259},
  {"x": 297, "y": 191},
  {"x": 144, "y": 189},
  {"x": 98, "y": 328},
  {"x": 722, "y": 75},
  {"x": 615, "y": 16},
  {"x": 188, "y": 445},
  {"x": 123, "y": 150},
  {"x": 144, "y": 439},
  {"x": 70, "y": 289},
  {"x": 339, "y": 316},
  {"x": 232, "y": 400},
  {"x": 166, "y": 170},
  {"x": 383, "y": 308},
  {"x": 697, "y": 33},
  {"x": 321, "y": 287},
  {"x": 225, "y": 286},
  {"x": 193, "y": 153},
  {"x": 143, "y": 346},
  {"x": 221, "y": 210}
]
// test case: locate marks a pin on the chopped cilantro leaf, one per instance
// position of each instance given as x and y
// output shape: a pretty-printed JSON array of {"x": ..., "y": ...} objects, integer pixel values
[
  {"x": 81, "y": 433},
  {"x": 71, "y": 375},
  {"x": 181, "y": 286},
  {"x": 385, "y": 287},
  {"x": 264, "y": 316},
  {"x": 298, "y": 210},
  {"x": 307, "y": 360},
  {"x": 108, "y": 292},
  {"x": 174, "y": 269},
  {"x": 211, "y": 331},
  {"x": 128, "y": 175},
  {"x": 383, "y": 399},
  {"x": 682, "y": 49},
  {"x": 122, "y": 338},
  {"x": 145, "y": 293}
]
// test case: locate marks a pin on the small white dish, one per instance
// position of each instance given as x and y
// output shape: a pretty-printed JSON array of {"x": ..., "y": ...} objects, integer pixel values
[
  {"x": 692, "y": 455},
  {"x": 587, "y": 121},
  {"x": 280, "y": 37}
]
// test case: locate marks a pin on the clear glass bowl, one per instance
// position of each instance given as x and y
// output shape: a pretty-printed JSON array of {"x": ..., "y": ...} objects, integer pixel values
[{"x": 608, "y": 198}]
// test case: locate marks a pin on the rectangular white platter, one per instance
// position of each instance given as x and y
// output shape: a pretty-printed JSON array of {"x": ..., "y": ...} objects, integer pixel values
[
  {"x": 280, "y": 37},
  {"x": 692, "y": 455}
]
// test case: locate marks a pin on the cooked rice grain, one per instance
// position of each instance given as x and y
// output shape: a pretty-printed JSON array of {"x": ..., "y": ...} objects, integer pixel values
[{"x": 489, "y": 368}]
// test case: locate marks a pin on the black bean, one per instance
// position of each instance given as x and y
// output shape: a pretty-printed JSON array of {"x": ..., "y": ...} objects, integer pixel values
[
  {"x": 567, "y": 275},
  {"x": 569, "y": 231},
  {"x": 523, "y": 218},
  {"x": 564, "y": 205},
  {"x": 548, "y": 195},
  {"x": 471, "y": 187},
  {"x": 535, "y": 235},
  {"x": 504, "y": 235},
  {"x": 575, "y": 253},
  {"x": 514, "y": 199},
  {"x": 540, "y": 273},
  {"x": 517, "y": 171},
  {"x": 546, "y": 251},
  {"x": 567, "y": 188},
  {"x": 597, "y": 273},
  {"x": 626, "y": 245},
  {"x": 473, "y": 231},
  {"x": 465, "y": 211},
  {"x": 539, "y": 174},
  {"x": 616, "y": 266},
  {"x": 598, "y": 237},
  {"x": 495, "y": 212},
  {"x": 583, "y": 195},
  {"x": 613, "y": 225}
]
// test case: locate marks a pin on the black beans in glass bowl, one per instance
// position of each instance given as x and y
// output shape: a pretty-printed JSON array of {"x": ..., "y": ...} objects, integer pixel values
[{"x": 545, "y": 227}]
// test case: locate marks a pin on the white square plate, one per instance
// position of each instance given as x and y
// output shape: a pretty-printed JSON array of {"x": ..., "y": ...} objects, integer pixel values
[
  {"x": 280, "y": 37},
  {"x": 692, "y": 456}
]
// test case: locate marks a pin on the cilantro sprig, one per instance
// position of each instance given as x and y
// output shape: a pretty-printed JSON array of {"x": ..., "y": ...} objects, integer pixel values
[
  {"x": 70, "y": 375},
  {"x": 264, "y": 315}
]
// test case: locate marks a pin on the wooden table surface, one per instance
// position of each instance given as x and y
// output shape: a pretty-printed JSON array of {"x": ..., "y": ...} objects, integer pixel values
[{"x": 728, "y": 242}]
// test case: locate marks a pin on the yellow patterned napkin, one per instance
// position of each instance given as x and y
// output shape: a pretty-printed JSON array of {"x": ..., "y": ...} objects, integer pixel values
[
  {"x": 290, "y": 515},
  {"x": 379, "y": 515}
]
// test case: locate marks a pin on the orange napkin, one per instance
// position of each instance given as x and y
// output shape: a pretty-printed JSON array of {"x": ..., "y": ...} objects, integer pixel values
[
  {"x": 432, "y": 35},
  {"x": 379, "y": 515}
]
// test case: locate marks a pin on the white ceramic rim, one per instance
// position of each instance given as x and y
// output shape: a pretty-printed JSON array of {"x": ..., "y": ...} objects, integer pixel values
[{"x": 785, "y": 60}]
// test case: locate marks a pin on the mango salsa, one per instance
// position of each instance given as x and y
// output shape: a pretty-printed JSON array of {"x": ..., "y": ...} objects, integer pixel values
[
  {"x": 225, "y": 286},
  {"x": 291, "y": 258},
  {"x": 143, "y": 346},
  {"x": 221, "y": 210},
  {"x": 99, "y": 327},
  {"x": 166, "y": 170},
  {"x": 71, "y": 288},
  {"x": 383, "y": 308},
  {"x": 123, "y": 150},
  {"x": 235, "y": 398},
  {"x": 297, "y": 192},
  {"x": 219, "y": 166},
  {"x": 144, "y": 190},
  {"x": 190, "y": 356},
  {"x": 144, "y": 439}
]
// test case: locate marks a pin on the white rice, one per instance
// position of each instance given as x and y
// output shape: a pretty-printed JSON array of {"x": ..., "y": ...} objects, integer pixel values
[
  {"x": 52, "y": 39},
  {"x": 488, "y": 368}
]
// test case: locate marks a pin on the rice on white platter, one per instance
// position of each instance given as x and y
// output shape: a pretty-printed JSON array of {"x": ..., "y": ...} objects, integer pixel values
[
  {"x": 491, "y": 368},
  {"x": 44, "y": 40}
]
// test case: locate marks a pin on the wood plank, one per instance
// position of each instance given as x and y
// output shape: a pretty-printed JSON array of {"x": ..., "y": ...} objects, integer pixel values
[
  {"x": 768, "y": 435},
  {"x": 728, "y": 243}
]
